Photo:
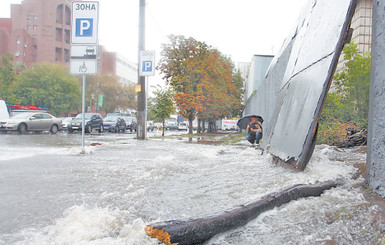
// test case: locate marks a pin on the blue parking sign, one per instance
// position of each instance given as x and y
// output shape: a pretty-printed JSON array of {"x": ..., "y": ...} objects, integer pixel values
[
  {"x": 147, "y": 63},
  {"x": 147, "y": 66},
  {"x": 84, "y": 22},
  {"x": 84, "y": 27}
]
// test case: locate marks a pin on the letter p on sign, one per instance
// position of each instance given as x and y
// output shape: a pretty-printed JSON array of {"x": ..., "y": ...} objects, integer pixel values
[
  {"x": 147, "y": 66},
  {"x": 84, "y": 27}
]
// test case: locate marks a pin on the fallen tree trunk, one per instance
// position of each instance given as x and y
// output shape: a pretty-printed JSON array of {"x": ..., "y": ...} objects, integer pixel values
[{"x": 196, "y": 231}]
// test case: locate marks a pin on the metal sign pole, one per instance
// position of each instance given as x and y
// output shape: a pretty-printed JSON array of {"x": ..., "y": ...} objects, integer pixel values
[
  {"x": 145, "y": 109},
  {"x": 83, "y": 111},
  {"x": 84, "y": 46}
]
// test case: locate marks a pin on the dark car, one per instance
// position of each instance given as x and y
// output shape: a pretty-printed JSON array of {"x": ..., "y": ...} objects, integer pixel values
[
  {"x": 171, "y": 125},
  {"x": 130, "y": 123},
  {"x": 92, "y": 121},
  {"x": 150, "y": 126},
  {"x": 114, "y": 124}
]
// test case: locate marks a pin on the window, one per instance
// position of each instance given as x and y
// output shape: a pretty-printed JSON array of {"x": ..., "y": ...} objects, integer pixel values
[
  {"x": 34, "y": 27},
  {"x": 46, "y": 116},
  {"x": 17, "y": 54},
  {"x": 35, "y": 17},
  {"x": 59, "y": 33},
  {"x": 28, "y": 27},
  {"x": 18, "y": 41},
  {"x": 34, "y": 36},
  {"x": 59, "y": 14}
]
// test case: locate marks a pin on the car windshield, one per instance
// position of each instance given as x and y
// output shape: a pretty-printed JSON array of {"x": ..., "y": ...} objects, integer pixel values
[
  {"x": 110, "y": 119},
  {"x": 22, "y": 115},
  {"x": 80, "y": 116},
  {"x": 128, "y": 119}
]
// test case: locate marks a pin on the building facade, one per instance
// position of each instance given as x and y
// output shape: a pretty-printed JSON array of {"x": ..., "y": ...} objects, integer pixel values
[
  {"x": 362, "y": 25},
  {"x": 38, "y": 31},
  {"x": 256, "y": 73}
]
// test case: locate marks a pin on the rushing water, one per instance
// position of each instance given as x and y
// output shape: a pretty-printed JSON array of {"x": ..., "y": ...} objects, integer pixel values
[{"x": 52, "y": 194}]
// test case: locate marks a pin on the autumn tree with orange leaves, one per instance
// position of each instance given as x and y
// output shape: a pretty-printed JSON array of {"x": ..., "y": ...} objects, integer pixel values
[{"x": 200, "y": 77}]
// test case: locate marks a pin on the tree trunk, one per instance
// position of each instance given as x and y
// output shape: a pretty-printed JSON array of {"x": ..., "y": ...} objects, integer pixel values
[
  {"x": 190, "y": 124},
  {"x": 196, "y": 231}
]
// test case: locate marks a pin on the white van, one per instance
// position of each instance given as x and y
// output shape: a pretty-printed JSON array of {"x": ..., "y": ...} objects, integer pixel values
[{"x": 3, "y": 110}]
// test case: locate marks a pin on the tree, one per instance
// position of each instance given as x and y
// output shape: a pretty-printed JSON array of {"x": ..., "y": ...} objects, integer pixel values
[
  {"x": 352, "y": 84},
  {"x": 48, "y": 85},
  {"x": 201, "y": 78},
  {"x": 7, "y": 77},
  {"x": 225, "y": 90},
  {"x": 347, "y": 104},
  {"x": 117, "y": 96},
  {"x": 162, "y": 105},
  {"x": 183, "y": 68}
]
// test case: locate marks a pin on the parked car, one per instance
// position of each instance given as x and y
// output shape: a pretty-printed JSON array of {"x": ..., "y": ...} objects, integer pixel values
[
  {"x": 32, "y": 121},
  {"x": 130, "y": 123},
  {"x": 150, "y": 126},
  {"x": 182, "y": 126},
  {"x": 114, "y": 124},
  {"x": 92, "y": 121},
  {"x": 171, "y": 125},
  {"x": 65, "y": 121}
]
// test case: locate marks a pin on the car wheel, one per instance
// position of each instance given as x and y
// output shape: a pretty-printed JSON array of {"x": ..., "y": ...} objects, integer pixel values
[
  {"x": 101, "y": 129},
  {"x": 89, "y": 128},
  {"x": 22, "y": 128},
  {"x": 69, "y": 131},
  {"x": 54, "y": 129}
]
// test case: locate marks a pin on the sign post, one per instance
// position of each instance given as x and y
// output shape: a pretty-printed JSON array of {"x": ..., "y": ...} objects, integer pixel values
[
  {"x": 84, "y": 43},
  {"x": 146, "y": 68}
]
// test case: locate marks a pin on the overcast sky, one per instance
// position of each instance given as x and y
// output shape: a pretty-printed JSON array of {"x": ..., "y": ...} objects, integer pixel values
[{"x": 237, "y": 28}]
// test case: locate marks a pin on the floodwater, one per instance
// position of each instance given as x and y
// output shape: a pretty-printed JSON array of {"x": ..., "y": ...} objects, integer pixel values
[{"x": 52, "y": 194}]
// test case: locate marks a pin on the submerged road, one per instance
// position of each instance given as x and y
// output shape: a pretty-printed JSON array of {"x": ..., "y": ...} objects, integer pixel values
[{"x": 52, "y": 194}]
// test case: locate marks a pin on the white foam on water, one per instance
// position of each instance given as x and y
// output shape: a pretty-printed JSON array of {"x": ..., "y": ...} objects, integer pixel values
[
  {"x": 96, "y": 226},
  {"x": 13, "y": 153}
]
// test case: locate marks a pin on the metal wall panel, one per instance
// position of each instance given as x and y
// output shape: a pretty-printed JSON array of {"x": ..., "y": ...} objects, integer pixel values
[{"x": 291, "y": 96}]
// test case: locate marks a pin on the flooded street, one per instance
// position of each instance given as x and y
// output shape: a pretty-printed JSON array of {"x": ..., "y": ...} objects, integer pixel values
[{"x": 52, "y": 194}]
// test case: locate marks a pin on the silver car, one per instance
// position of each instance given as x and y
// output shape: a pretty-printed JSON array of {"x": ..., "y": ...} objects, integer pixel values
[{"x": 32, "y": 121}]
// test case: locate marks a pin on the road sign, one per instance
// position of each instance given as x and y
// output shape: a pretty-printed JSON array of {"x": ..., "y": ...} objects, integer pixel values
[
  {"x": 85, "y": 17},
  {"x": 147, "y": 63},
  {"x": 83, "y": 67},
  {"x": 84, "y": 52}
]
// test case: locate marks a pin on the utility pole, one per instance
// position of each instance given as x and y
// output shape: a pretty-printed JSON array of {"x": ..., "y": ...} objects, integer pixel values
[
  {"x": 141, "y": 113},
  {"x": 375, "y": 163}
]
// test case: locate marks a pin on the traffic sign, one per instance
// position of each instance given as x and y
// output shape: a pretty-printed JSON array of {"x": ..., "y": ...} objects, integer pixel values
[
  {"x": 83, "y": 67},
  {"x": 147, "y": 63},
  {"x": 82, "y": 52},
  {"x": 85, "y": 17}
]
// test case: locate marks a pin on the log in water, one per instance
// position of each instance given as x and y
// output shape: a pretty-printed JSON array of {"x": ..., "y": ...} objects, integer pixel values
[{"x": 196, "y": 231}]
